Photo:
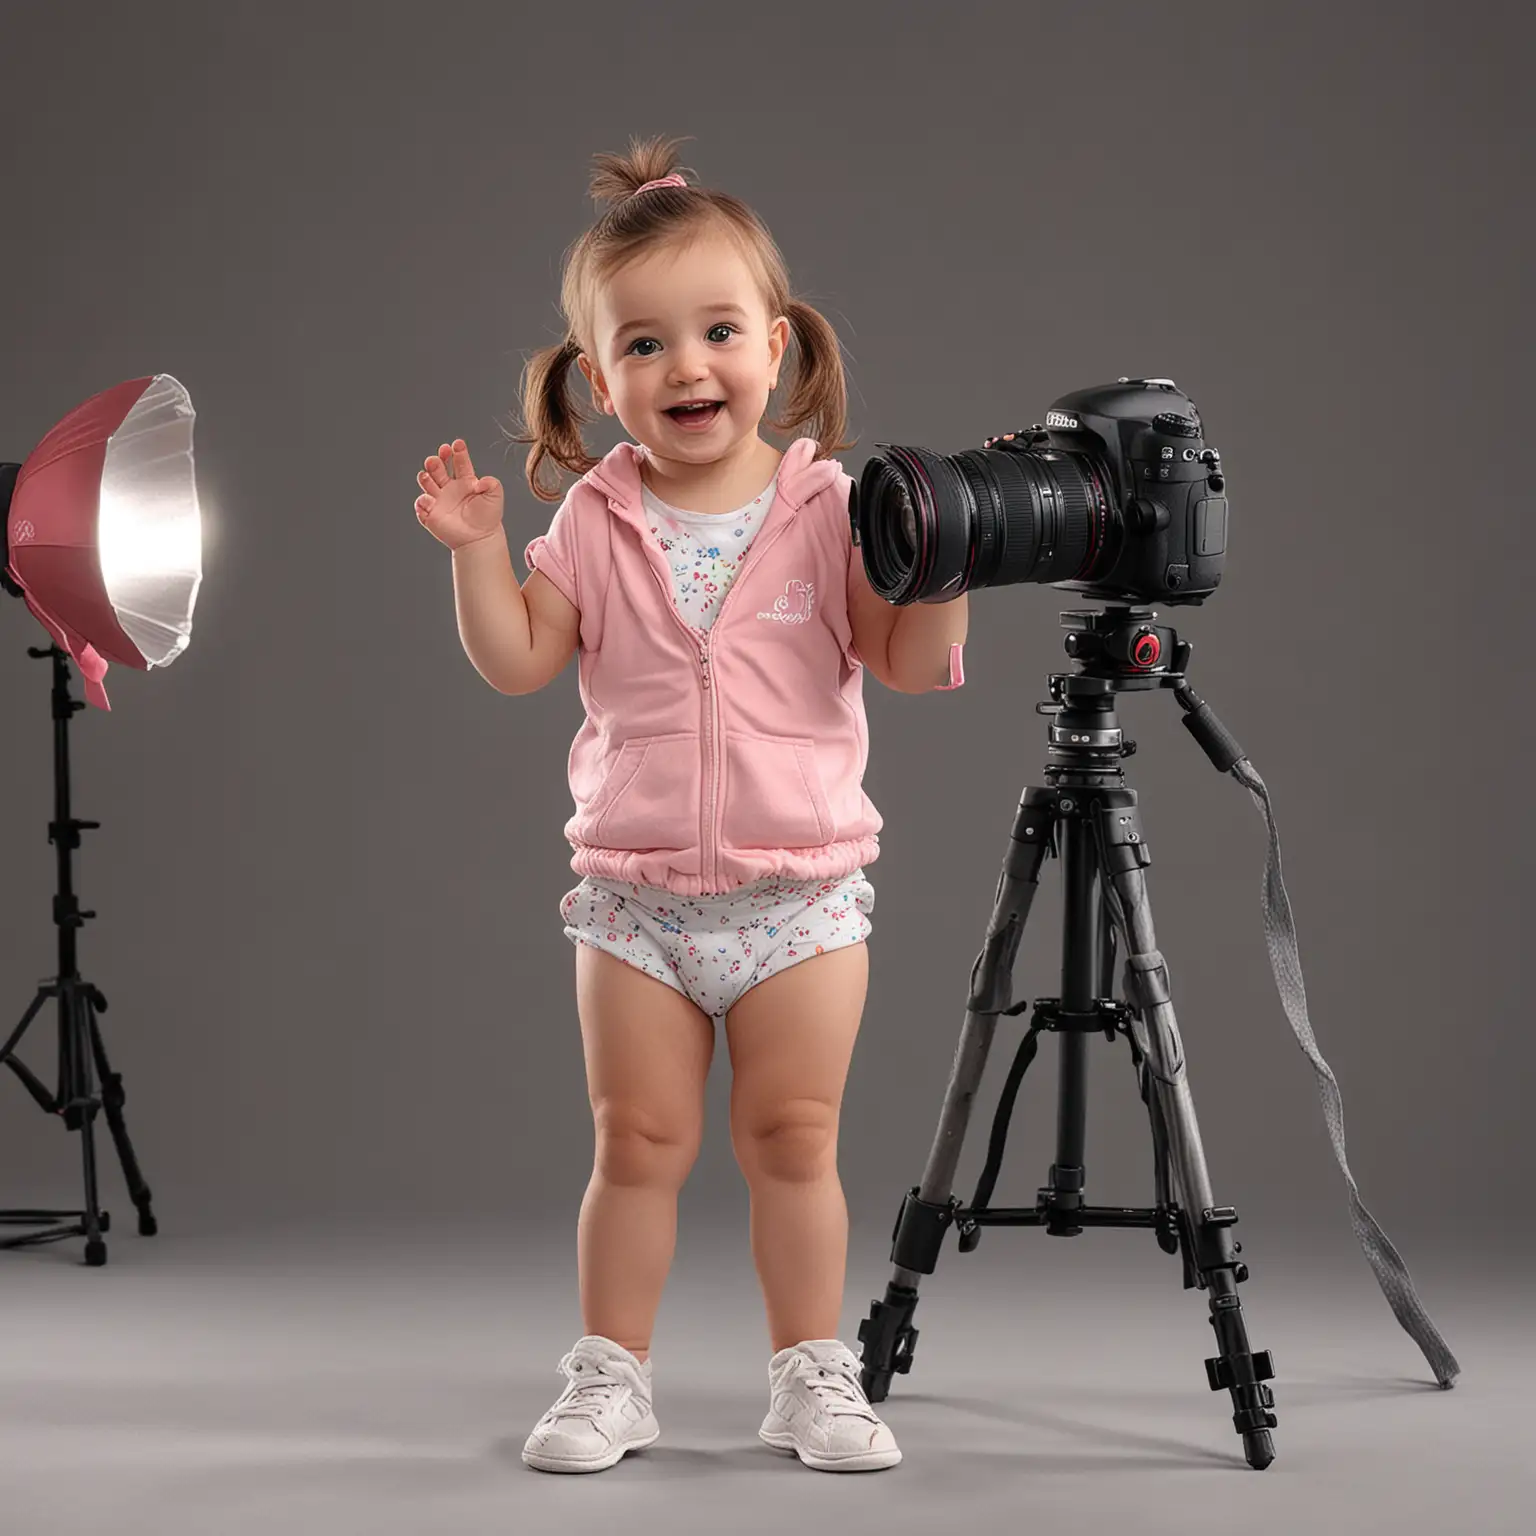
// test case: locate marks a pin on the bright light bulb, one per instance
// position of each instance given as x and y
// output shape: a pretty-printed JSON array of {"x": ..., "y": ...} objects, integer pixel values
[
  {"x": 136, "y": 541},
  {"x": 149, "y": 525}
]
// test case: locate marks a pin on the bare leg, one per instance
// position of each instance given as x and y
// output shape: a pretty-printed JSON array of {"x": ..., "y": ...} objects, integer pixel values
[
  {"x": 648, "y": 1051},
  {"x": 791, "y": 1038}
]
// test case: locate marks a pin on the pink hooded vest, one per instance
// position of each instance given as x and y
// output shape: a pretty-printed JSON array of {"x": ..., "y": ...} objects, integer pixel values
[{"x": 710, "y": 759}]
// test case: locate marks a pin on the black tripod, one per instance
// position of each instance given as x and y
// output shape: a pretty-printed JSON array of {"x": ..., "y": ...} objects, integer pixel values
[
  {"x": 80, "y": 1043},
  {"x": 1088, "y": 818}
]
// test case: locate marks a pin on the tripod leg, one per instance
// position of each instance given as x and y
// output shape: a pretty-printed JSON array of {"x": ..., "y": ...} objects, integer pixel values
[
  {"x": 1163, "y": 1198},
  {"x": 928, "y": 1209},
  {"x": 1163, "y": 1201},
  {"x": 1082, "y": 961},
  {"x": 1206, "y": 1227},
  {"x": 113, "y": 1097}
]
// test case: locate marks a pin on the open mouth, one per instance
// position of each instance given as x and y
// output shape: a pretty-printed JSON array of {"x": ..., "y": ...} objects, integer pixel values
[{"x": 697, "y": 415}]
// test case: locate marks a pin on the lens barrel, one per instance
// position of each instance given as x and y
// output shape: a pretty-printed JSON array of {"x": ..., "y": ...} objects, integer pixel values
[{"x": 935, "y": 525}]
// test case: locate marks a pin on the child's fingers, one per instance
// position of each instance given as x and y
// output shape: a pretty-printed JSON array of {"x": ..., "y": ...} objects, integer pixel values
[{"x": 463, "y": 468}]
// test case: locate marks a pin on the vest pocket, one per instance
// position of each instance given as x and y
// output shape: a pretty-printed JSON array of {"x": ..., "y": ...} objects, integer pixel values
[
  {"x": 648, "y": 799},
  {"x": 773, "y": 794}
]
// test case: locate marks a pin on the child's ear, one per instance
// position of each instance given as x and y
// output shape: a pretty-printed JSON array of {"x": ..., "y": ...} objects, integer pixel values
[
  {"x": 600, "y": 396},
  {"x": 778, "y": 340}
]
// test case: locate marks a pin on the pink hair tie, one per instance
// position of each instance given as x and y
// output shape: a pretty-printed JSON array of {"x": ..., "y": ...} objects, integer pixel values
[{"x": 674, "y": 180}]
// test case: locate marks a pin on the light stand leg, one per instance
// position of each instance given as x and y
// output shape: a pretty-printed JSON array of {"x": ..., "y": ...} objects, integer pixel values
[
  {"x": 113, "y": 1097},
  {"x": 80, "y": 1104}
]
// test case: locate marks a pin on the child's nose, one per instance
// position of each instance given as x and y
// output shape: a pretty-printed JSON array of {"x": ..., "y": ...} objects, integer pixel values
[{"x": 688, "y": 363}]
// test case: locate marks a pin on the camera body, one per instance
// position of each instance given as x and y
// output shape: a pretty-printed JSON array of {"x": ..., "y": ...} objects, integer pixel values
[
  {"x": 1115, "y": 496},
  {"x": 1171, "y": 541}
]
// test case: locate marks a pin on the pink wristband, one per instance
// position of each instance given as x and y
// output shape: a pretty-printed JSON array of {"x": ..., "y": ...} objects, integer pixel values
[{"x": 956, "y": 668}]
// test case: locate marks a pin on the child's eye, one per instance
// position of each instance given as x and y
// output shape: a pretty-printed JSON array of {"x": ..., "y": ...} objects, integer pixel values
[{"x": 650, "y": 341}]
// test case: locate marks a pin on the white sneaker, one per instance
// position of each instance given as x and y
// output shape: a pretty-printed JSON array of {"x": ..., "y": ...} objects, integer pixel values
[
  {"x": 820, "y": 1413},
  {"x": 604, "y": 1411}
]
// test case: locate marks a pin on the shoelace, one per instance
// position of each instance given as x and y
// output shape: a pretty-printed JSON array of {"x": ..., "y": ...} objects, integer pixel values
[
  {"x": 838, "y": 1389},
  {"x": 584, "y": 1399}
]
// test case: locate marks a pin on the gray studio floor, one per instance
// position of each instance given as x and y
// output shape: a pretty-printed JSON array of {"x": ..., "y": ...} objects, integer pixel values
[{"x": 307, "y": 1381}]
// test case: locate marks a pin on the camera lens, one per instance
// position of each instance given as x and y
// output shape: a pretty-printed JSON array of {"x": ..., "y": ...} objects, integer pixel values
[{"x": 935, "y": 525}]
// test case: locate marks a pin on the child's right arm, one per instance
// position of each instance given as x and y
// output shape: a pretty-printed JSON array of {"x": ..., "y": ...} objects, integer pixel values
[{"x": 519, "y": 639}]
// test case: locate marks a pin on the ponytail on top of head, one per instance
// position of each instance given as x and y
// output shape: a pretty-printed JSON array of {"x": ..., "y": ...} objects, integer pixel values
[{"x": 638, "y": 215}]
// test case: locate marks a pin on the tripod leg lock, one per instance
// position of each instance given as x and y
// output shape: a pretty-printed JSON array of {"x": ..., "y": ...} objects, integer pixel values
[
  {"x": 919, "y": 1232},
  {"x": 1146, "y": 979},
  {"x": 1227, "y": 1372},
  {"x": 1244, "y": 1375},
  {"x": 889, "y": 1340},
  {"x": 1215, "y": 1247},
  {"x": 1122, "y": 846}
]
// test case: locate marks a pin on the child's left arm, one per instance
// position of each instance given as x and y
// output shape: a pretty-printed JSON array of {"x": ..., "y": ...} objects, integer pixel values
[{"x": 907, "y": 648}]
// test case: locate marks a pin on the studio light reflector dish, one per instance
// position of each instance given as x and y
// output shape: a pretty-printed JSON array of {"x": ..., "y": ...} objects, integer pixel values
[{"x": 104, "y": 532}]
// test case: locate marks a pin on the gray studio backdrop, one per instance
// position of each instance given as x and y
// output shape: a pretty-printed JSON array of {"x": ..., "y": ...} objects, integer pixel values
[{"x": 331, "y": 857}]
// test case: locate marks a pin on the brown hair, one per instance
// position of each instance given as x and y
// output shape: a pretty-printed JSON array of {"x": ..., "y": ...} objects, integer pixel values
[{"x": 628, "y": 227}]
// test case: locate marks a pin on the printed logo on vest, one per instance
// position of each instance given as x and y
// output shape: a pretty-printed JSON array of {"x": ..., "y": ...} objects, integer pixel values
[{"x": 793, "y": 604}]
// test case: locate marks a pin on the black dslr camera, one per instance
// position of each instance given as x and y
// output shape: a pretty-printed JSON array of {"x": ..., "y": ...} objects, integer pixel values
[{"x": 1115, "y": 496}]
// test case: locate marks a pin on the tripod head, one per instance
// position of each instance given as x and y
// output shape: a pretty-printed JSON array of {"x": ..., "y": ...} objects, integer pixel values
[
  {"x": 1123, "y": 648},
  {"x": 1120, "y": 649}
]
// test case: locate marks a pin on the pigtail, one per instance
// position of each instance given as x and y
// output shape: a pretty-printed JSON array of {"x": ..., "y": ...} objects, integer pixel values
[
  {"x": 551, "y": 420},
  {"x": 818, "y": 401}
]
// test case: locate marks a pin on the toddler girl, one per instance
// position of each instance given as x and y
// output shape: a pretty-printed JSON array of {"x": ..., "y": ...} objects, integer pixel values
[{"x": 723, "y": 622}]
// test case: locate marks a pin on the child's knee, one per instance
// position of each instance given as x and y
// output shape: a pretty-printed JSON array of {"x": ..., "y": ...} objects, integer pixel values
[
  {"x": 795, "y": 1144},
  {"x": 637, "y": 1147}
]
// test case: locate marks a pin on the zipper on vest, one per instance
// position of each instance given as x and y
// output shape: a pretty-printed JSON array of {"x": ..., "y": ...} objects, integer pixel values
[
  {"x": 760, "y": 547},
  {"x": 710, "y": 730},
  {"x": 711, "y": 761}
]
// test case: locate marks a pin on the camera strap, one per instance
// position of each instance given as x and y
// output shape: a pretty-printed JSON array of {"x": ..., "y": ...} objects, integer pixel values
[{"x": 1285, "y": 959}]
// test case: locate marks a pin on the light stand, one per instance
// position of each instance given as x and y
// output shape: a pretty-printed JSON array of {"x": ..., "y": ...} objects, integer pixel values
[{"x": 82, "y": 1056}]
